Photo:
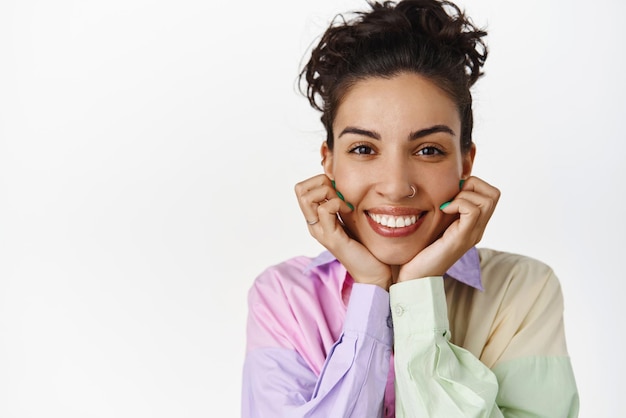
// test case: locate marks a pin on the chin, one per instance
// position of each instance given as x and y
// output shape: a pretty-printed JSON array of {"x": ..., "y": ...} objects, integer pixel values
[{"x": 395, "y": 257}]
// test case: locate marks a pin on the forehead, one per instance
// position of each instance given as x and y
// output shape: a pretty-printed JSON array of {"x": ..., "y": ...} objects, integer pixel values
[{"x": 405, "y": 101}]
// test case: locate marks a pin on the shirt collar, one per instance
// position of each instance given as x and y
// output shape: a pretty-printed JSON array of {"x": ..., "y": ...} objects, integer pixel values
[{"x": 466, "y": 270}]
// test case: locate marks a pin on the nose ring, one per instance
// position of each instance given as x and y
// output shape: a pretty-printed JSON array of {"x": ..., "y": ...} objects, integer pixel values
[{"x": 413, "y": 192}]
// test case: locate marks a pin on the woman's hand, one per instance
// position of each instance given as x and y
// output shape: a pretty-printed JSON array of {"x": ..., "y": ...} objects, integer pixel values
[
  {"x": 321, "y": 206},
  {"x": 473, "y": 205}
]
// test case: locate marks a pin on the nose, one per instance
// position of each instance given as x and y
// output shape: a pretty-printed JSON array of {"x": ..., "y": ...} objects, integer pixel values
[{"x": 394, "y": 179}]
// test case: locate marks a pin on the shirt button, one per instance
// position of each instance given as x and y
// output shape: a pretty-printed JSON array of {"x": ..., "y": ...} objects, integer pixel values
[{"x": 399, "y": 310}]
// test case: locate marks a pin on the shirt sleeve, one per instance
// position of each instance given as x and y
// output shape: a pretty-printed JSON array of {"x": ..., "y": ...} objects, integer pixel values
[
  {"x": 435, "y": 378},
  {"x": 277, "y": 382},
  {"x": 535, "y": 373}
]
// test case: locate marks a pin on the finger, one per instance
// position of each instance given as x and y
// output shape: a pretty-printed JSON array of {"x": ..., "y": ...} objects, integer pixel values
[
  {"x": 329, "y": 231},
  {"x": 465, "y": 208},
  {"x": 315, "y": 191},
  {"x": 310, "y": 194},
  {"x": 318, "y": 203},
  {"x": 475, "y": 184},
  {"x": 312, "y": 183},
  {"x": 327, "y": 224},
  {"x": 329, "y": 220},
  {"x": 479, "y": 193},
  {"x": 327, "y": 213},
  {"x": 472, "y": 221},
  {"x": 313, "y": 198},
  {"x": 485, "y": 203}
]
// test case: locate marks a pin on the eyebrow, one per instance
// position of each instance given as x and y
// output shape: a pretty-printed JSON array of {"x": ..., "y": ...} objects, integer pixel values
[
  {"x": 412, "y": 136},
  {"x": 359, "y": 131},
  {"x": 429, "y": 131}
]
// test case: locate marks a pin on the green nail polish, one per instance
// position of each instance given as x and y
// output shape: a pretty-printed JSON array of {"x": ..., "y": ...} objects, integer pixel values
[
  {"x": 340, "y": 195},
  {"x": 338, "y": 192},
  {"x": 461, "y": 183},
  {"x": 342, "y": 198},
  {"x": 445, "y": 205}
]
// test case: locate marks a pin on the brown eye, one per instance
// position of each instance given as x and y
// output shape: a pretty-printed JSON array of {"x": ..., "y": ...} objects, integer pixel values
[
  {"x": 362, "y": 149},
  {"x": 429, "y": 151}
]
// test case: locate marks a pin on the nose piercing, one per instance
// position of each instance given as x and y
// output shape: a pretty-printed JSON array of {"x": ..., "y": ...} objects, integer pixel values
[{"x": 413, "y": 192}]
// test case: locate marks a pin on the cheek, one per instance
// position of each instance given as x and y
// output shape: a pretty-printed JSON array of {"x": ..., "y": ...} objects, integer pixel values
[
  {"x": 351, "y": 183},
  {"x": 353, "y": 186},
  {"x": 442, "y": 186}
]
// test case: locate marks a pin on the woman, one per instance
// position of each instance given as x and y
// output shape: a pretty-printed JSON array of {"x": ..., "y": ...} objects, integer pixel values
[{"x": 403, "y": 316}]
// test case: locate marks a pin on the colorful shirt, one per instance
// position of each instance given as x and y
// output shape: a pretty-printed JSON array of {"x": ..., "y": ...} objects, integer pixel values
[{"x": 321, "y": 345}]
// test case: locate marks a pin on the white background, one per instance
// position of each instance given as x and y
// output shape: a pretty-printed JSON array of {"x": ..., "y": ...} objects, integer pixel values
[{"x": 148, "y": 152}]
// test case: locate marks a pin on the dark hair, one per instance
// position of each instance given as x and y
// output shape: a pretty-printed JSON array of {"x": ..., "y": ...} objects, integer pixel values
[{"x": 428, "y": 37}]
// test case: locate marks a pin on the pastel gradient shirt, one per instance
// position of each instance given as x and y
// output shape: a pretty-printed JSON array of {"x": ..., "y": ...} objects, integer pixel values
[{"x": 485, "y": 340}]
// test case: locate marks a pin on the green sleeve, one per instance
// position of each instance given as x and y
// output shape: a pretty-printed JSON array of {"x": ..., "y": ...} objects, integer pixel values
[
  {"x": 435, "y": 378},
  {"x": 537, "y": 387}
]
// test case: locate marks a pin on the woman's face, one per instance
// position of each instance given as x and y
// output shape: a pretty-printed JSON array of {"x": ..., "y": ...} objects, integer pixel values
[{"x": 389, "y": 135}]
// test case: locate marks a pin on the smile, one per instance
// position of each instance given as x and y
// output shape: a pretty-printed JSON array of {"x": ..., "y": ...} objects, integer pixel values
[{"x": 391, "y": 221}]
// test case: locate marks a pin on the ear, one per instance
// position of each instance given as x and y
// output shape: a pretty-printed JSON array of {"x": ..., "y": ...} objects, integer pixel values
[
  {"x": 468, "y": 161},
  {"x": 327, "y": 161}
]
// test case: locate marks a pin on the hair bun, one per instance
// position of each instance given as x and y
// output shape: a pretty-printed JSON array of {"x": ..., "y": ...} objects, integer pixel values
[{"x": 428, "y": 37}]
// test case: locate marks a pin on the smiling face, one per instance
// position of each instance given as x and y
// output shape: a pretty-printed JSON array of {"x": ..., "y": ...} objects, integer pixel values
[{"x": 391, "y": 134}]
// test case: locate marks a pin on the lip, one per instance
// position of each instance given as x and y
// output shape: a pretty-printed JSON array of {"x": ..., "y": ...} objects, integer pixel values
[
  {"x": 389, "y": 232},
  {"x": 395, "y": 211}
]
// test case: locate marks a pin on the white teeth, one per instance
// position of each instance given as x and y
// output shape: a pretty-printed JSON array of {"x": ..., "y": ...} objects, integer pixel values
[{"x": 393, "y": 221}]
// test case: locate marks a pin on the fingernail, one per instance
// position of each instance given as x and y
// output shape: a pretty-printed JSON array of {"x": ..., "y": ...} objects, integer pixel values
[
  {"x": 461, "y": 183},
  {"x": 445, "y": 205},
  {"x": 342, "y": 198},
  {"x": 340, "y": 195},
  {"x": 338, "y": 192}
]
